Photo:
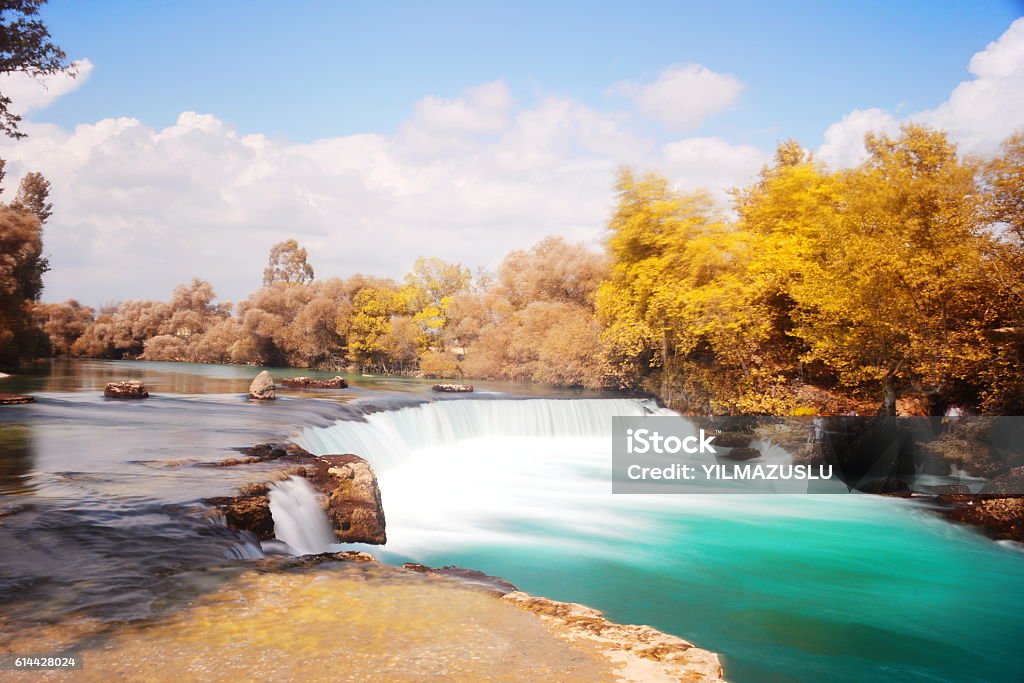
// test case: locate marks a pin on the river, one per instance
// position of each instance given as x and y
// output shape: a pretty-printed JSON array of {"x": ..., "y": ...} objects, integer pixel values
[{"x": 101, "y": 514}]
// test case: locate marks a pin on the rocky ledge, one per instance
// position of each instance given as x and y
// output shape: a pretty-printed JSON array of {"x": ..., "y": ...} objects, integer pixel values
[
  {"x": 130, "y": 389},
  {"x": 346, "y": 483},
  {"x": 453, "y": 388},
  {"x": 641, "y": 652},
  {"x": 309, "y": 383}
]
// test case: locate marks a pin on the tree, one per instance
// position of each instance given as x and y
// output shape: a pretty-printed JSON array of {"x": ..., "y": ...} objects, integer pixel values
[
  {"x": 370, "y": 332},
  {"x": 33, "y": 196},
  {"x": 670, "y": 306},
  {"x": 429, "y": 288},
  {"x": 287, "y": 264},
  {"x": 25, "y": 47},
  {"x": 897, "y": 296},
  {"x": 63, "y": 323},
  {"x": 21, "y": 283},
  {"x": 1004, "y": 177}
]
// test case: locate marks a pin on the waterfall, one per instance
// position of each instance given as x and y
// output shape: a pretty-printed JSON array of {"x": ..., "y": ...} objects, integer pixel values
[
  {"x": 387, "y": 438},
  {"x": 299, "y": 520}
]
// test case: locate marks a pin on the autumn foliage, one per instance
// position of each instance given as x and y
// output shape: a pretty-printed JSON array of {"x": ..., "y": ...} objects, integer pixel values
[{"x": 903, "y": 274}]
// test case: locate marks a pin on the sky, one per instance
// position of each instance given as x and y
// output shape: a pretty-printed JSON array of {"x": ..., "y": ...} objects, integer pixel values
[{"x": 198, "y": 134}]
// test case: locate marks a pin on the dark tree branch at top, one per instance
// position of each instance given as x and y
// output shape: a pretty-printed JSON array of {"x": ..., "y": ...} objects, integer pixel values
[{"x": 25, "y": 46}]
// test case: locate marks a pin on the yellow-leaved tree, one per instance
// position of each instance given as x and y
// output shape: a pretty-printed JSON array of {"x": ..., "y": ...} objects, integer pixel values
[{"x": 893, "y": 294}]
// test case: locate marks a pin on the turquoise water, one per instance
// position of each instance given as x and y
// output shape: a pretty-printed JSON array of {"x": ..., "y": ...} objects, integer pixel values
[{"x": 881, "y": 595}]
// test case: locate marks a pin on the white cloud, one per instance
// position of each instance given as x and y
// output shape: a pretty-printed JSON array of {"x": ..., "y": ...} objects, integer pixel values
[
  {"x": 979, "y": 113},
  {"x": 684, "y": 96},
  {"x": 30, "y": 93},
  {"x": 844, "y": 140},
  {"x": 711, "y": 164}
]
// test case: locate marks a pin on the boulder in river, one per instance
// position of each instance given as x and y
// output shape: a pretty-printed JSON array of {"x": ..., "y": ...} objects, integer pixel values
[
  {"x": 131, "y": 389},
  {"x": 262, "y": 388},
  {"x": 353, "y": 502},
  {"x": 453, "y": 388},
  {"x": 336, "y": 382},
  {"x": 346, "y": 483}
]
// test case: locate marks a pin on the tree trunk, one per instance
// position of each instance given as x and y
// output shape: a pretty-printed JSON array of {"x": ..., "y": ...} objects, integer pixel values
[{"x": 889, "y": 396}]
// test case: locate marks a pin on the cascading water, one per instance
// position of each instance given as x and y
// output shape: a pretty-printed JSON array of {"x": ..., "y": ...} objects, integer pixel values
[
  {"x": 299, "y": 520},
  {"x": 522, "y": 489},
  {"x": 387, "y": 438}
]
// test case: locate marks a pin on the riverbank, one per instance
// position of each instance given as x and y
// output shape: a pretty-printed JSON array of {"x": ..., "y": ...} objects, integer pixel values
[{"x": 350, "y": 618}]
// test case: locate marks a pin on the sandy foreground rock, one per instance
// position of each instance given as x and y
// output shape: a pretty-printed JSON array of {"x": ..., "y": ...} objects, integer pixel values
[{"x": 358, "y": 621}]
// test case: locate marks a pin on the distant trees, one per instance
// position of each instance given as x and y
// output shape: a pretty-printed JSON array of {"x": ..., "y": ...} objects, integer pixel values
[
  {"x": 905, "y": 273},
  {"x": 536, "y": 321},
  {"x": 63, "y": 323}
]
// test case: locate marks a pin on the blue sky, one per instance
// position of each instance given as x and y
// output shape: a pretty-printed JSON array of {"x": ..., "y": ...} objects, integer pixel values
[
  {"x": 199, "y": 134},
  {"x": 331, "y": 68}
]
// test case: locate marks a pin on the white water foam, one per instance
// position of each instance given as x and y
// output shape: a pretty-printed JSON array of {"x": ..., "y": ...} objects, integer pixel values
[
  {"x": 387, "y": 439},
  {"x": 466, "y": 472},
  {"x": 299, "y": 520}
]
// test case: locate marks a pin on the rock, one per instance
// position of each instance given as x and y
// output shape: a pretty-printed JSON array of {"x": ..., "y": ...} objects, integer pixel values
[
  {"x": 886, "y": 487},
  {"x": 453, "y": 388},
  {"x": 353, "y": 501},
  {"x": 265, "y": 452},
  {"x": 15, "y": 399},
  {"x": 477, "y": 579},
  {"x": 248, "y": 511},
  {"x": 285, "y": 562},
  {"x": 1009, "y": 483},
  {"x": 262, "y": 388},
  {"x": 741, "y": 453},
  {"x": 130, "y": 389},
  {"x": 646, "y": 653},
  {"x": 346, "y": 483},
  {"x": 308, "y": 383},
  {"x": 1001, "y": 516}
]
